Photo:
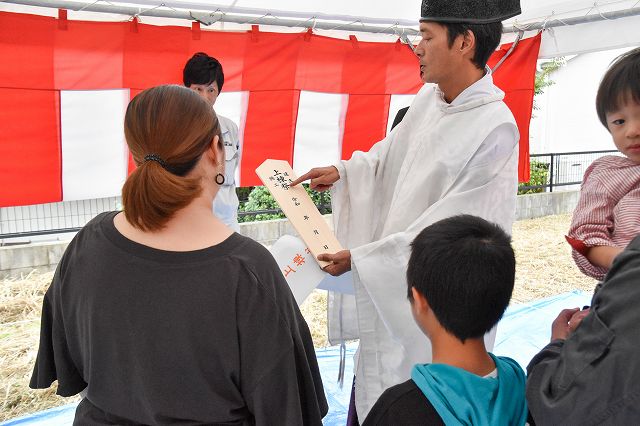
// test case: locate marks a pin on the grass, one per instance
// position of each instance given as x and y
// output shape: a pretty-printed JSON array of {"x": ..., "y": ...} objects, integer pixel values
[{"x": 544, "y": 268}]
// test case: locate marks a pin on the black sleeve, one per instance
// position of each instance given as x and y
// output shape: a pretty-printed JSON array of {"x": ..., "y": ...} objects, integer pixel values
[
  {"x": 548, "y": 354},
  {"x": 280, "y": 378},
  {"x": 54, "y": 361}
]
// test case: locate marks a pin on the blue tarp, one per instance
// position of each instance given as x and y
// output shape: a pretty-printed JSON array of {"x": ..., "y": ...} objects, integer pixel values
[
  {"x": 526, "y": 328},
  {"x": 523, "y": 331}
]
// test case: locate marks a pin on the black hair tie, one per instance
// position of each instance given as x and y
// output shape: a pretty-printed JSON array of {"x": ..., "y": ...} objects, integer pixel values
[
  {"x": 156, "y": 158},
  {"x": 176, "y": 169}
]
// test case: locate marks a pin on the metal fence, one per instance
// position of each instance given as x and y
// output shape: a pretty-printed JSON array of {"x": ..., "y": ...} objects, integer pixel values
[
  {"x": 548, "y": 172},
  {"x": 560, "y": 170},
  {"x": 52, "y": 218}
]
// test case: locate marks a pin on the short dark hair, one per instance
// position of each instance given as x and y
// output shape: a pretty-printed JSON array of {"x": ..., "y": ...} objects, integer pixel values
[
  {"x": 487, "y": 38},
  {"x": 203, "y": 69},
  {"x": 620, "y": 84},
  {"x": 465, "y": 267}
]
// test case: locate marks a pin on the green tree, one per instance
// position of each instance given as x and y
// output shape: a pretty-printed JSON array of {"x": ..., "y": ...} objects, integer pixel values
[
  {"x": 539, "y": 176},
  {"x": 260, "y": 199},
  {"x": 543, "y": 77}
]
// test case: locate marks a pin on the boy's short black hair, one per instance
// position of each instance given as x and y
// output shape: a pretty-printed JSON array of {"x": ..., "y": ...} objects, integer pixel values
[
  {"x": 465, "y": 267},
  {"x": 203, "y": 69},
  {"x": 487, "y": 38},
  {"x": 620, "y": 84}
]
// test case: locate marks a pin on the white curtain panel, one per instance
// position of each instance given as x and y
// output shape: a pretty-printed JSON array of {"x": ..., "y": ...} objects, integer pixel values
[
  {"x": 318, "y": 130},
  {"x": 94, "y": 153}
]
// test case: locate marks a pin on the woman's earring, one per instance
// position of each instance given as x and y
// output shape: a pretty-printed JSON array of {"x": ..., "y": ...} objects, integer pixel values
[{"x": 219, "y": 179}]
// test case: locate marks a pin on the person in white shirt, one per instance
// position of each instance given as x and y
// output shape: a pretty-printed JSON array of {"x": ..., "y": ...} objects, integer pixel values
[
  {"x": 455, "y": 152},
  {"x": 203, "y": 74}
]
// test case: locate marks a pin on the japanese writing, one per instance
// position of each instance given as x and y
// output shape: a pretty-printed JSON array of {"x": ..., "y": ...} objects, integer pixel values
[
  {"x": 288, "y": 270},
  {"x": 281, "y": 180},
  {"x": 298, "y": 259}
]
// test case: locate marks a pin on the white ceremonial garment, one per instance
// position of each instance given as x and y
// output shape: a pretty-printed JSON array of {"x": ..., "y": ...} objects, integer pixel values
[
  {"x": 225, "y": 204},
  {"x": 441, "y": 160}
]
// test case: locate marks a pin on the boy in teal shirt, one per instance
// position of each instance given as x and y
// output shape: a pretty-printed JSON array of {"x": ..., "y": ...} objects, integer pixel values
[{"x": 460, "y": 279}]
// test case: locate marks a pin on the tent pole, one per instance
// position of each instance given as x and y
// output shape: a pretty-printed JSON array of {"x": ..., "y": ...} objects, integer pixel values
[
  {"x": 558, "y": 22},
  {"x": 208, "y": 18},
  {"x": 294, "y": 19}
]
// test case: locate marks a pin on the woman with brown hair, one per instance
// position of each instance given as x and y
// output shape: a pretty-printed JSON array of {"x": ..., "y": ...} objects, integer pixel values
[{"x": 162, "y": 314}]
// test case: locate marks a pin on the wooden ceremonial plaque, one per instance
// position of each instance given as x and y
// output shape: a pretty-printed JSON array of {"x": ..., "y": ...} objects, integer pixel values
[{"x": 296, "y": 204}]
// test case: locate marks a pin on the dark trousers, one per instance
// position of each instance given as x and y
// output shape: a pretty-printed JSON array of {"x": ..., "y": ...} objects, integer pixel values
[{"x": 352, "y": 416}]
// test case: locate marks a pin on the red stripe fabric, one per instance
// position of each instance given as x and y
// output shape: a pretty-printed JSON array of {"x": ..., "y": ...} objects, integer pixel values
[
  {"x": 88, "y": 56},
  {"x": 516, "y": 76},
  {"x": 403, "y": 70},
  {"x": 26, "y": 49},
  {"x": 365, "y": 122},
  {"x": 270, "y": 61},
  {"x": 30, "y": 163},
  {"x": 320, "y": 62},
  {"x": 269, "y": 131},
  {"x": 230, "y": 49},
  {"x": 154, "y": 55},
  {"x": 272, "y": 67}
]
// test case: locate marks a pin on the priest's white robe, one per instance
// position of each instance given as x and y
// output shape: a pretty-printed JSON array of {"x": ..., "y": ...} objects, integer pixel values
[{"x": 441, "y": 160}]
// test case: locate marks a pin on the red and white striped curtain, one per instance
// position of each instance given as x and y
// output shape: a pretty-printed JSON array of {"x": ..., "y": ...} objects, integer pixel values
[{"x": 308, "y": 99}]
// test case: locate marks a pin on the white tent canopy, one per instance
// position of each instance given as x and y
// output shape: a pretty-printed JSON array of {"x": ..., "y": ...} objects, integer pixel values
[{"x": 604, "y": 26}]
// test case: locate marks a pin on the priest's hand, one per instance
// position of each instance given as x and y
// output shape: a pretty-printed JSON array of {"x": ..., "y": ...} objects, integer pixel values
[
  {"x": 322, "y": 178},
  {"x": 340, "y": 262}
]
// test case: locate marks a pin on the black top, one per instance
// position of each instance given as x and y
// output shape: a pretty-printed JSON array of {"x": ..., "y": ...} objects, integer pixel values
[
  {"x": 405, "y": 405},
  {"x": 399, "y": 116},
  {"x": 211, "y": 336}
]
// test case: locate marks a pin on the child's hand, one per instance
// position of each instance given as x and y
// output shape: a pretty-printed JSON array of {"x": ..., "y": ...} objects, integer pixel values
[
  {"x": 560, "y": 328},
  {"x": 576, "y": 319}
]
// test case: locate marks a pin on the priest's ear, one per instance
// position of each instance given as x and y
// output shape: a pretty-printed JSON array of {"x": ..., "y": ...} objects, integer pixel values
[
  {"x": 468, "y": 45},
  {"x": 475, "y": 42}
]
